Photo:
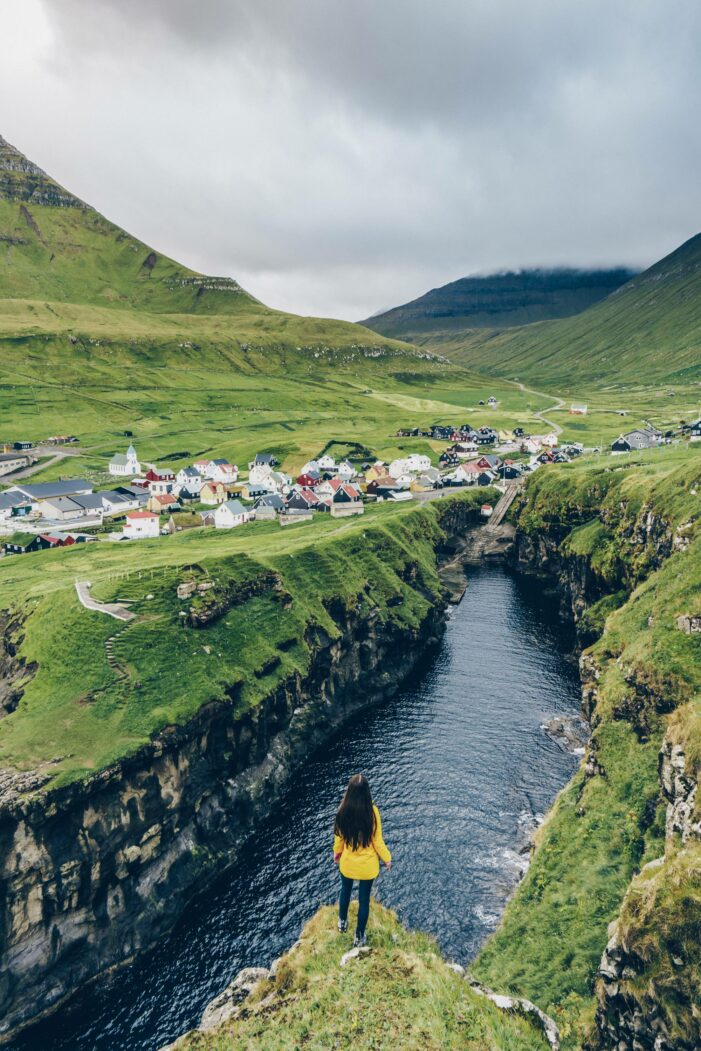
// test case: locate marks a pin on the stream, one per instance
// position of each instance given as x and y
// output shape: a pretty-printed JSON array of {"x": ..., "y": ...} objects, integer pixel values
[{"x": 462, "y": 771}]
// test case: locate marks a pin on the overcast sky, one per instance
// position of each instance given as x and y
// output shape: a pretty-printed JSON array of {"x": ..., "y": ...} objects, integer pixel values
[{"x": 342, "y": 156}]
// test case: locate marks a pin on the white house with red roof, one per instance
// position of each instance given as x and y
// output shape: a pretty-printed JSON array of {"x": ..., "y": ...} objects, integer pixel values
[{"x": 141, "y": 525}]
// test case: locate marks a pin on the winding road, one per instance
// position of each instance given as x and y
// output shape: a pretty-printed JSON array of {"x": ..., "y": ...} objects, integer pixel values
[{"x": 553, "y": 408}]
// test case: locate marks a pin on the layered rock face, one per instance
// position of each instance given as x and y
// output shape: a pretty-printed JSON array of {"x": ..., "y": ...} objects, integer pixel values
[{"x": 96, "y": 871}]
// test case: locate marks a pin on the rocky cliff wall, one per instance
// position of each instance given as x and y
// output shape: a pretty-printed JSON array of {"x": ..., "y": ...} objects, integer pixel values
[{"x": 96, "y": 871}]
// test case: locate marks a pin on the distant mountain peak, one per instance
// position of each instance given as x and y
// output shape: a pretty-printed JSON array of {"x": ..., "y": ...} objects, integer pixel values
[{"x": 501, "y": 299}]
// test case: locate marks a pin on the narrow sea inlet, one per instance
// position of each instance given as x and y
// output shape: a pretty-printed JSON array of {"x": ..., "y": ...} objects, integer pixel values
[{"x": 462, "y": 771}]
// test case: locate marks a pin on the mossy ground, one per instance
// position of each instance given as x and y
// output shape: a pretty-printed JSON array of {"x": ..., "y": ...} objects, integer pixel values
[
  {"x": 604, "y": 828},
  {"x": 402, "y": 995},
  {"x": 78, "y": 707}
]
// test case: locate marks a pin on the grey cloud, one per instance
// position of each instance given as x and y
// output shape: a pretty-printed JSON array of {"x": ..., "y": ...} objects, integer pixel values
[{"x": 341, "y": 157}]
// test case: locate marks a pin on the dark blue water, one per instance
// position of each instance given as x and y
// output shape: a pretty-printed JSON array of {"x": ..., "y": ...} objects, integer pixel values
[{"x": 461, "y": 770}]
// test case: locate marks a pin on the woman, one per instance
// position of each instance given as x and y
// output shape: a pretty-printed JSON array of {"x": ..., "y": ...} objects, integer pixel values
[{"x": 357, "y": 848}]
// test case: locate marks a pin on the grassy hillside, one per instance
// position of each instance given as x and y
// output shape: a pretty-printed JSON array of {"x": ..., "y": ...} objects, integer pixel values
[
  {"x": 401, "y": 995},
  {"x": 500, "y": 300},
  {"x": 638, "y": 527},
  {"x": 99, "y": 333},
  {"x": 647, "y": 332},
  {"x": 77, "y": 706}
]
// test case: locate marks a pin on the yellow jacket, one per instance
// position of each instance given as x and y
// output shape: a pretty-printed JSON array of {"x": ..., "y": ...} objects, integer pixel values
[{"x": 363, "y": 863}]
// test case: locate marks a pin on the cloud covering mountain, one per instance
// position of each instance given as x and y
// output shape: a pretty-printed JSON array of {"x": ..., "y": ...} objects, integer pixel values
[{"x": 335, "y": 157}]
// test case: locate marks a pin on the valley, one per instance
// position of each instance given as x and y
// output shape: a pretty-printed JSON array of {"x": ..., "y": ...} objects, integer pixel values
[{"x": 137, "y": 757}]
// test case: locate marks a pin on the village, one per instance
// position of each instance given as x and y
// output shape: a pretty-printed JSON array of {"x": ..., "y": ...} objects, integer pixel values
[{"x": 147, "y": 501}]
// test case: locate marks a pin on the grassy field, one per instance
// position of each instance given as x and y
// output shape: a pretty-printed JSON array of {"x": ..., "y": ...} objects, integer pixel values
[
  {"x": 402, "y": 995},
  {"x": 78, "y": 709},
  {"x": 605, "y": 827}
]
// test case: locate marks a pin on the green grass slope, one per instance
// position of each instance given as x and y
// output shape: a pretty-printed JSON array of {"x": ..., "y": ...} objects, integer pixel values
[
  {"x": 646, "y": 332},
  {"x": 637, "y": 526},
  {"x": 76, "y": 706},
  {"x": 499, "y": 300},
  {"x": 401, "y": 995}
]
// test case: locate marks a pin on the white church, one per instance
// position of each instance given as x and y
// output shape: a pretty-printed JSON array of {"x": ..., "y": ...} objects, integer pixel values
[{"x": 125, "y": 465}]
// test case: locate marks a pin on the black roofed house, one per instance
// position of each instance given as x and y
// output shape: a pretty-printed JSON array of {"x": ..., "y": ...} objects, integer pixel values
[
  {"x": 486, "y": 478},
  {"x": 263, "y": 460},
  {"x": 695, "y": 430},
  {"x": 269, "y": 507},
  {"x": 50, "y": 490},
  {"x": 21, "y": 544},
  {"x": 640, "y": 438},
  {"x": 509, "y": 471}
]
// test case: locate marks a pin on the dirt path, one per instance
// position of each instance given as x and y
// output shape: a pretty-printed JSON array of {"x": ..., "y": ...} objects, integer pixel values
[
  {"x": 27, "y": 472},
  {"x": 112, "y": 609},
  {"x": 541, "y": 415}
]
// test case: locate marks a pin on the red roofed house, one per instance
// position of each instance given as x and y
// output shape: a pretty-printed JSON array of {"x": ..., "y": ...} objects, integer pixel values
[
  {"x": 161, "y": 502},
  {"x": 140, "y": 525}
]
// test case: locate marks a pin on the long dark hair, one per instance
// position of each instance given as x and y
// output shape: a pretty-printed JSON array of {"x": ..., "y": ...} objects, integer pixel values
[{"x": 355, "y": 818}]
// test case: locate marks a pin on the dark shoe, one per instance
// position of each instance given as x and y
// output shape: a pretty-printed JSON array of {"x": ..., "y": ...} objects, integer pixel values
[
  {"x": 342, "y": 926},
  {"x": 359, "y": 941}
]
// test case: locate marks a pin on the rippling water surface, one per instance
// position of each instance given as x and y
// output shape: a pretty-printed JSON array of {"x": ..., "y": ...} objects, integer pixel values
[{"x": 461, "y": 769}]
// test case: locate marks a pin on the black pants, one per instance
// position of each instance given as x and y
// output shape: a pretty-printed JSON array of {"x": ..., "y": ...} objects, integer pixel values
[{"x": 364, "y": 888}]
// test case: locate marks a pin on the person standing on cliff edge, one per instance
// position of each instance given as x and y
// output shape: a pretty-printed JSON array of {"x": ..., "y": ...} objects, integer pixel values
[{"x": 358, "y": 847}]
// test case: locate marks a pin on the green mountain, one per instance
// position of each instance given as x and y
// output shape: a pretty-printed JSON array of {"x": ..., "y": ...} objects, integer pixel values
[
  {"x": 497, "y": 301},
  {"x": 646, "y": 332},
  {"x": 54, "y": 246}
]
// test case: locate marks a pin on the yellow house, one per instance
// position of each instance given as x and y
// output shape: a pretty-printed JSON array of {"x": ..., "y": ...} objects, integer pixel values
[
  {"x": 378, "y": 470},
  {"x": 421, "y": 485},
  {"x": 213, "y": 493}
]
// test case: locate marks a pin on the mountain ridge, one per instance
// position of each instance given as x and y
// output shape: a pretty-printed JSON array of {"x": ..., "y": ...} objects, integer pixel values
[{"x": 502, "y": 299}]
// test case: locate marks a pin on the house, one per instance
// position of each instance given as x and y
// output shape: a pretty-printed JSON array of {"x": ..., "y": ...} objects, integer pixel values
[
  {"x": 60, "y": 509},
  {"x": 278, "y": 482},
  {"x": 546, "y": 457},
  {"x": 304, "y": 500},
  {"x": 141, "y": 525},
  {"x": 519, "y": 432},
  {"x": 21, "y": 544},
  {"x": 231, "y": 513},
  {"x": 637, "y": 439},
  {"x": 123, "y": 464},
  {"x": 138, "y": 493},
  {"x": 327, "y": 463},
  {"x": 491, "y": 401},
  {"x": 13, "y": 504},
  {"x": 310, "y": 466},
  {"x": 49, "y": 490},
  {"x": 13, "y": 462},
  {"x": 23, "y": 446},
  {"x": 485, "y": 436},
  {"x": 412, "y": 464},
  {"x": 448, "y": 459},
  {"x": 463, "y": 449},
  {"x": 377, "y": 470},
  {"x": 486, "y": 510},
  {"x": 213, "y": 493},
  {"x": 578, "y": 408},
  {"x": 252, "y": 490},
  {"x": 207, "y": 517},
  {"x": 344, "y": 492},
  {"x": 263, "y": 460},
  {"x": 488, "y": 462},
  {"x": 202, "y": 467},
  {"x": 422, "y": 484},
  {"x": 160, "y": 480},
  {"x": 695, "y": 431},
  {"x": 509, "y": 472},
  {"x": 269, "y": 507},
  {"x": 190, "y": 478},
  {"x": 223, "y": 471},
  {"x": 259, "y": 473},
  {"x": 466, "y": 474},
  {"x": 292, "y": 515},
  {"x": 162, "y": 502},
  {"x": 309, "y": 478},
  {"x": 345, "y": 471},
  {"x": 113, "y": 502}
]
